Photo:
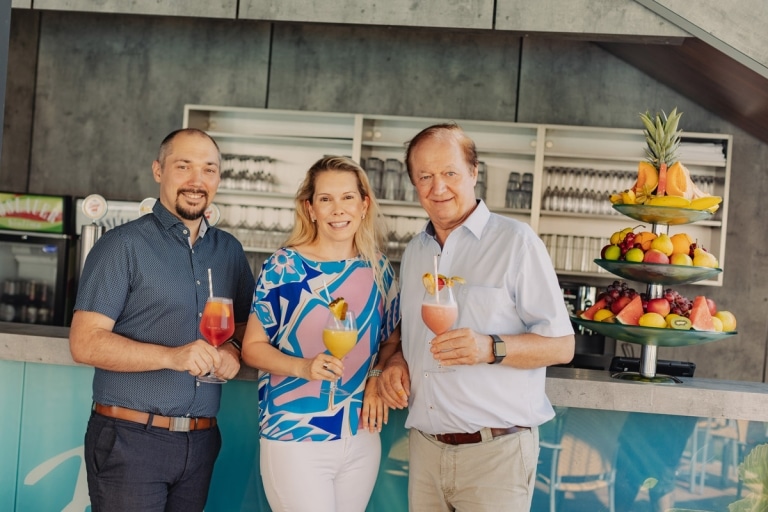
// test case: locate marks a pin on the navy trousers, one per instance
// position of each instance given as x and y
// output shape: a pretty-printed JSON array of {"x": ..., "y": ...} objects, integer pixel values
[{"x": 137, "y": 468}]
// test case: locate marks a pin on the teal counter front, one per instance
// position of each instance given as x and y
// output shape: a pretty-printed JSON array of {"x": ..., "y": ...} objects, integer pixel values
[{"x": 46, "y": 401}]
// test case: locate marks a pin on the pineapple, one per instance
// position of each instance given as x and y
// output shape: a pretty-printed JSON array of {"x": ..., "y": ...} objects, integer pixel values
[{"x": 663, "y": 139}]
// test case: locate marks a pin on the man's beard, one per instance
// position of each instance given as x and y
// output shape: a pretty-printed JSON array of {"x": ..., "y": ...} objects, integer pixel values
[{"x": 188, "y": 213}]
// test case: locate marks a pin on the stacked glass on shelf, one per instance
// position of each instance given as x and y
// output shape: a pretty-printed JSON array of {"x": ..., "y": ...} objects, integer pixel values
[
  {"x": 400, "y": 230},
  {"x": 389, "y": 179},
  {"x": 243, "y": 172},
  {"x": 573, "y": 253},
  {"x": 519, "y": 193},
  {"x": 259, "y": 227}
]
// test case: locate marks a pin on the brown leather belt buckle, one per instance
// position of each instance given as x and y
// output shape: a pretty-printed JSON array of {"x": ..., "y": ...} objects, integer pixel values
[{"x": 179, "y": 424}]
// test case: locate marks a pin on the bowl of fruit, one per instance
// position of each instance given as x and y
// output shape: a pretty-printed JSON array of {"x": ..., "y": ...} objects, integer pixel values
[
  {"x": 671, "y": 320},
  {"x": 662, "y": 259}
]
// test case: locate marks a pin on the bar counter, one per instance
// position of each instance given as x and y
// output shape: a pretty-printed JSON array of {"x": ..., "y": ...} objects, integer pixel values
[
  {"x": 46, "y": 401},
  {"x": 566, "y": 387}
]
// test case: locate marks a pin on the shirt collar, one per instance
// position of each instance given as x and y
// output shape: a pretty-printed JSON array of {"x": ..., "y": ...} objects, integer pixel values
[
  {"x": 169, "y": 220},
  {"x": 475, "y": 223}
]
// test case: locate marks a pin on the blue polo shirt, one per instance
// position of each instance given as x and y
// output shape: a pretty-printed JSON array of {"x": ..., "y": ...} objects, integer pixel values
[{"x": 146, "y": 277}]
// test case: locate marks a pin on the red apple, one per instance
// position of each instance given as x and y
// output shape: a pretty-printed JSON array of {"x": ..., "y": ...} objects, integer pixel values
[
  {"x": 655, "y": 256},
  {"x": 659, "y": 305},
  {"x": 712, "y": 307},
  {"x": 619, "y": 304}
]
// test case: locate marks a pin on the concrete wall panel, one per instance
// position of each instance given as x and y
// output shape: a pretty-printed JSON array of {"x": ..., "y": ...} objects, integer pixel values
[
  {"x": 19, "y": 101},
  {"x": 445, "y": 13},
  {"x": 394, "y": 71},
  {"x": 609, "y": 18},
  {"x": 111, "y": 87},
  {"x": 197, "y": 8}
]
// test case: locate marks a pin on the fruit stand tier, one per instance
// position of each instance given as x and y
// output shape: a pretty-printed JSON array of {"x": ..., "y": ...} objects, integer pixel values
[
  {"x": 667, "y": 215},
  {"x": 657, "y": 273},
  {"x": 653, "y": 336}
]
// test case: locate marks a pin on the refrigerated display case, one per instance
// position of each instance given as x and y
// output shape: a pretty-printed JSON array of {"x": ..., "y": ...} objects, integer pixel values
[{"x": 36, "y": 257}]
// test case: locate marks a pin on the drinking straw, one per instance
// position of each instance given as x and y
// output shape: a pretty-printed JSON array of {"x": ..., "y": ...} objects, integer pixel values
[
  {"x": 327, "y": 294},
  {"x": 437, "y": 283},
  {"x": 210, "y": 283}
]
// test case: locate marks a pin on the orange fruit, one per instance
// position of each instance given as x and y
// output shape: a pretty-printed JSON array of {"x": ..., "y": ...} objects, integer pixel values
[{"x": 681, "y": 243}]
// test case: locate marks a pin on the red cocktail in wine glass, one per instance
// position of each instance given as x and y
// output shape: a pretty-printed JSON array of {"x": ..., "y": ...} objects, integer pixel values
[{"x": 217, "y": 326}]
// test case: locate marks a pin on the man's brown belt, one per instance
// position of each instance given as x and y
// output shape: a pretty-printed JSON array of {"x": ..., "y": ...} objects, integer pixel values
[
  {"x": 174, "y": 424},
  {"x": 476, "y": 437}
]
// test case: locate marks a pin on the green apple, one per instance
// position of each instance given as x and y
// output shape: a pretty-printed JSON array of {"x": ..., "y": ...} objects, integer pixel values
[
  {"x": 612, "y": 252},
  {"x": 635, "y": 255}
]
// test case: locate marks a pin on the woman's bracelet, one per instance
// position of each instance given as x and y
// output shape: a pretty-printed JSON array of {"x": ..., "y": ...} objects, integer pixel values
[{"x": 374, "y": 373}]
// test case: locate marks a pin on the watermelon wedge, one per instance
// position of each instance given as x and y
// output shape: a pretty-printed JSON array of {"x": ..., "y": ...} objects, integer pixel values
[
  {"x": 700, "y": 317},
  {"x": 589, "y": 313},
  {"x": 632, "y": 312}
]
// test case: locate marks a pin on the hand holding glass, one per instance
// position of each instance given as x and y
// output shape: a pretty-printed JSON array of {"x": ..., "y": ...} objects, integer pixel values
[
  {"x": 339, "y": 337},
  {"x": 217, "y": 326},
  {"x": 439, "y": 312}
]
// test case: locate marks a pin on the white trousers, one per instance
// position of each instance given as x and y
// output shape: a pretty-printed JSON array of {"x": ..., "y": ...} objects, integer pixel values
[{"x": 330, "y": 476}]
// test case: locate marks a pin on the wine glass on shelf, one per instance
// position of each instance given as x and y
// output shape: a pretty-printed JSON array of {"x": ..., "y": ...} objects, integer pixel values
[
  {"x": 339, "y": 337},
  {"x": 217, "y": 325},
  {"x": 439, "y": 312}
]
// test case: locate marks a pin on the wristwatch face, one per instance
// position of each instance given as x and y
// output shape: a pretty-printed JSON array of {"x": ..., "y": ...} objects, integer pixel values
[{"x": 499, "y": 349}]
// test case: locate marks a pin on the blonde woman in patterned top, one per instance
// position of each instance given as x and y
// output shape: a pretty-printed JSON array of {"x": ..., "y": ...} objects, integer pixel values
[{"x": 332, "y": 455}]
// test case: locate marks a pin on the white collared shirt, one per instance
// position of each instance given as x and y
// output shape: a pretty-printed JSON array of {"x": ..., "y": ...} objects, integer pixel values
[{"x": 511, "y": 288}]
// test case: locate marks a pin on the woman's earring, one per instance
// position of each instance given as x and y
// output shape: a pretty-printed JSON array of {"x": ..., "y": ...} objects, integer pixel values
[{"x": 363, "y": 216}]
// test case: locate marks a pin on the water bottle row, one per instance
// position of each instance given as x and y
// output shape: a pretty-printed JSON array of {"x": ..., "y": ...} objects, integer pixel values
[
  {"x": 574, "y": 253},
  {"x": 241, "y": 172},
  {"x": 574, "y": 190}
]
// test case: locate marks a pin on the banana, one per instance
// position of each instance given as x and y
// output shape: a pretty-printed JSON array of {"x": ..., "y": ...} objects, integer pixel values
[
  {"x": 706, "y": 202},
  {"x": 628, "y": 196},
  {"x": 615, "y": 198},
  {"x": 675, "y": 201}
]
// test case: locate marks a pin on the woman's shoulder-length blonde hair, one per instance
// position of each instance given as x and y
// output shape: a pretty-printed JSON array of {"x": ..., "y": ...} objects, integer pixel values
[{"x": 369, "y": 238}]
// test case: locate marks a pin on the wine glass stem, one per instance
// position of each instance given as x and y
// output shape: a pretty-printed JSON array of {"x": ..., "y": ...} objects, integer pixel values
[{"x": 331, "y": 393}]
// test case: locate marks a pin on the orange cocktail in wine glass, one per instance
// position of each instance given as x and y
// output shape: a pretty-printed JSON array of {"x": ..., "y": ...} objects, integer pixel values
[
  {"x": 339, "y": 337},
  {"x": 217, "y": 325}
]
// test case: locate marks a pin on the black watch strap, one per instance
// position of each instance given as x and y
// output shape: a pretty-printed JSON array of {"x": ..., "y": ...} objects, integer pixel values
[
  {"x": 235, "y": 343},
  {"x": 499, "y": 349}
]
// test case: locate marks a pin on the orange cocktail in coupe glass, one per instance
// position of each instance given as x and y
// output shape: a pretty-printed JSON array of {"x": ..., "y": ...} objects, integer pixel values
[{"x": 217, "y": 325}]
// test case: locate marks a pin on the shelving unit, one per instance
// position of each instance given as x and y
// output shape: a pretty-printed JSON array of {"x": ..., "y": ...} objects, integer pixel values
[{"x": 296, "y": 139}]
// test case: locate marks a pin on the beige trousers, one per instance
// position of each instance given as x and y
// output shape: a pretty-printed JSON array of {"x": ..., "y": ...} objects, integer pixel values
[{"x": 492, "y": 476}]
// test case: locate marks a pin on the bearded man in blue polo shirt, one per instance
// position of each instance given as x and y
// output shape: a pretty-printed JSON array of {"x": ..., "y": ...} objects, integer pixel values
[
  {"x": 473, "y": 438},
  {"x": 152, "y": 437}
]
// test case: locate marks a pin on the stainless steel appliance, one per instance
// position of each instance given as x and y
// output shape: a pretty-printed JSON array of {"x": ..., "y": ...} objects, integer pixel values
[
  {"x": 593, "y": 350},
  {"x": 36, "y": 258}
]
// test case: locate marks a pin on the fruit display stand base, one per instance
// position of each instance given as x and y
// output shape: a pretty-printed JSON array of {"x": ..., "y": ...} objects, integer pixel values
[{"x": 651, "y": 338}]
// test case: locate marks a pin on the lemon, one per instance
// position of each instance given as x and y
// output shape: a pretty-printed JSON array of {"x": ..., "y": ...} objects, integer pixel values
[
  {"x": 652, "y": 320},
  {"x": 601, "y": 315}
]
